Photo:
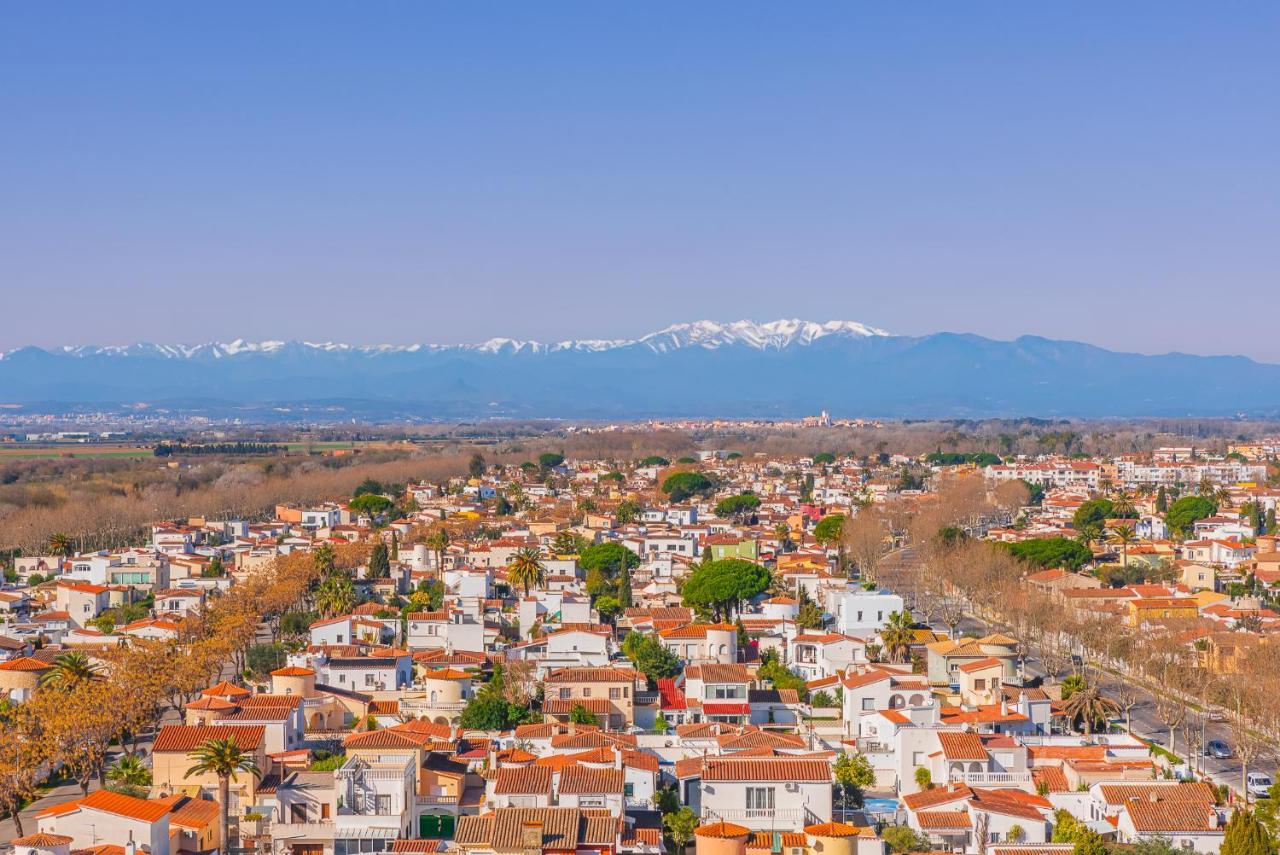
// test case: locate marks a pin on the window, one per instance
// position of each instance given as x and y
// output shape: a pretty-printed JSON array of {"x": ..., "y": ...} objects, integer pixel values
[
  {"x": 628, "y": 790},
  {"x": 586, "y": 692},
  {"x": 615, "y": 694},
  {"x": 979, "y": 685},
  {"x": 868, "y": 704},
  {"x": 384, "y": 805},
  {"x": 370, "y": 679},
  {"x": 565, "y": 694},
  {"x": 759, "y": 798},
  {"x": 859, "y": 617},
  {"x": 917, "y": 758}
]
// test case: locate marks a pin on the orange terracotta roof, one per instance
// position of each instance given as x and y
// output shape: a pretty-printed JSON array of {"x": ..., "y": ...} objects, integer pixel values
[
  {"x": 186, "y": 738},
  {"x": 722, "y": 830}
]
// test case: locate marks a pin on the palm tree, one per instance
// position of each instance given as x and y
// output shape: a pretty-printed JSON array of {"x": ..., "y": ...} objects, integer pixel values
[
  {"x": 782, "y": 531},
  {"x": 335, "y": 595},
  {"x": 438, "y": 540},
  {"x": 60, "y": 544},
  {"x": 526, "y": 569},
  {"x": 1123, "y": 535},
  {"x": 1089, "y": 534},
  {"x": 898, "y": 635},
  {"x": 225, "y": 759},
  {"x": 70, "y": 670},
  {"x": 129, "y": 775},
  {"x": 1090, "y": 705}
]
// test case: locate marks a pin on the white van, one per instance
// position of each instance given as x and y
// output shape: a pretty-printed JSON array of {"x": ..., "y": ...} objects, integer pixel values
[{"x": 1258, "y": 784}]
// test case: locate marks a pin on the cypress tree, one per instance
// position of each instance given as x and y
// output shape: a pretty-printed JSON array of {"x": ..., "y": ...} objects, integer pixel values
[{"x": 1246, "y": 836}]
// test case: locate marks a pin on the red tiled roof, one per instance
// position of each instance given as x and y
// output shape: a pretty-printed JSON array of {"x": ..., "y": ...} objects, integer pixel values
[
  {"x": 186, "y": 738},
  {"x": 765, "y": 769},
  {"x": 943, "y": 819}
]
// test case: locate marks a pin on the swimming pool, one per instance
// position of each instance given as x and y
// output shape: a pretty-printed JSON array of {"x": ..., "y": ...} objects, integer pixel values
[{"x": 880, "y": 806}]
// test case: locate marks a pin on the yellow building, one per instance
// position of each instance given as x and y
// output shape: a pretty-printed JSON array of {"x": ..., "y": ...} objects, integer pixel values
[{"x": 171, "y": 759}]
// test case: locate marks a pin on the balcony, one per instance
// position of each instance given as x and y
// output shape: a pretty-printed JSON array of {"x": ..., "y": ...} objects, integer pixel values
[
  {"x": 788, "y": 819},
  {"x": 437, "y": 801},
  {"x": 419, "y": 706},
  {"x": 870, "y": 746},
  {"x": 322, "y": 830},
  {"x": 994, "y": 779}
]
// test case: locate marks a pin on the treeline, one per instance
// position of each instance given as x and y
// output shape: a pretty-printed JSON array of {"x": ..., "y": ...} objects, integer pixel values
[
  {"x": 960, "y": 576},
  {"x": 70, "y": 724},
  {"x": 166, "y": 449}
]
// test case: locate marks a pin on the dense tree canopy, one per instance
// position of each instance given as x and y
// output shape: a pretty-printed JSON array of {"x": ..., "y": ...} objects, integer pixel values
[
  {"x": 650, "y": 657},
  {"x": 1096, "y": 512},
  {"x": 828, "y": 529},
  {"x": 722, "y": 586},
  {"x": 1051, "y": 552},
  {"x": 371, "y": 504},
  {"x": 1185, "y": 511},
  {"x": 655, "y": 460},
  {"x": 738, "y": 506},
  {"x": 684, "y": 485},
  {"x": 609, "y": 558},
  {"x": 956, "y": 458}
]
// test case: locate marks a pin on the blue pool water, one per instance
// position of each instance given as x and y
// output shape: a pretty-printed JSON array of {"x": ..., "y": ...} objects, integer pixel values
[{"x": 880, "y": 806}]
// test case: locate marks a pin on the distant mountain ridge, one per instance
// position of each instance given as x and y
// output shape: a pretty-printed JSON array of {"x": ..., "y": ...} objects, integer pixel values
[
  {"x": 778, "y": 369},
  {"x": 777, "y": 334}
]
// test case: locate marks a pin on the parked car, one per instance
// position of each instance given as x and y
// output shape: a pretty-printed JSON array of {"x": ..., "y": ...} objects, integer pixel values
[
  {"x": 1217, "y": 749},
  {"x": 1259, "y": 785}
]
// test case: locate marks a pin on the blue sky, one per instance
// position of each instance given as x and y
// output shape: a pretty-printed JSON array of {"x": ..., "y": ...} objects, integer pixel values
[{"x": 398, "y": 172}]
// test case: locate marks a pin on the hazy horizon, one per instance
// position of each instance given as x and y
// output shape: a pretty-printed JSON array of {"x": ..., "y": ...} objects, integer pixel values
[{"x": 451, "y": 173}]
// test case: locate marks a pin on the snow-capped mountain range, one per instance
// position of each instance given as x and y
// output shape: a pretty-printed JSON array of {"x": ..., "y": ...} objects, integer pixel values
[
  {"x": 738, "y": 369},
  {"x": 708, "y": 334}
]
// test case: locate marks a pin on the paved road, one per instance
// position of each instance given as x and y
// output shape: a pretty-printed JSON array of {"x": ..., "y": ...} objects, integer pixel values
[{"x": 1145, "y": 723}]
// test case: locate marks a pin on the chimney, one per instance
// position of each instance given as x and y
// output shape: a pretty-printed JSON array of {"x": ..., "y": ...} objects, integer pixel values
[
  {"x": 531, "y": 836},
  {"x": 617, "y": 757}
]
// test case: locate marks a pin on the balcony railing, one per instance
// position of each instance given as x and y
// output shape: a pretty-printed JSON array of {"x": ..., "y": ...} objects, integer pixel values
[
  {"x": 990, "y": 779},
  {"x": 789, "y": 818},
  {"x": 870, "y": 746},
  {"x": 322, "y": 830},
  {"x": 429, "y": 705},
  {"x": 437, "y": 801}
]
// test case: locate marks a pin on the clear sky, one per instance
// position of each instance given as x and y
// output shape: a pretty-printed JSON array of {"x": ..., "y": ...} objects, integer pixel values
[{"x": 448, "y": 172}]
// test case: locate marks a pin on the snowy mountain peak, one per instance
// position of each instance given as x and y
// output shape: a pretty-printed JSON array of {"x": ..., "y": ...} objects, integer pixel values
[
  {"x": 774, "y": 334},
  {"x": 705, "y": 334}
]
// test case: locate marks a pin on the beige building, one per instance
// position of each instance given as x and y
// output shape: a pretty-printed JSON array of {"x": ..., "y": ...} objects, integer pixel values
[
  {"x": 171, "y": 758},
  {"x": 19, "y": 678},
  {"x": 607, "y": 693}
]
